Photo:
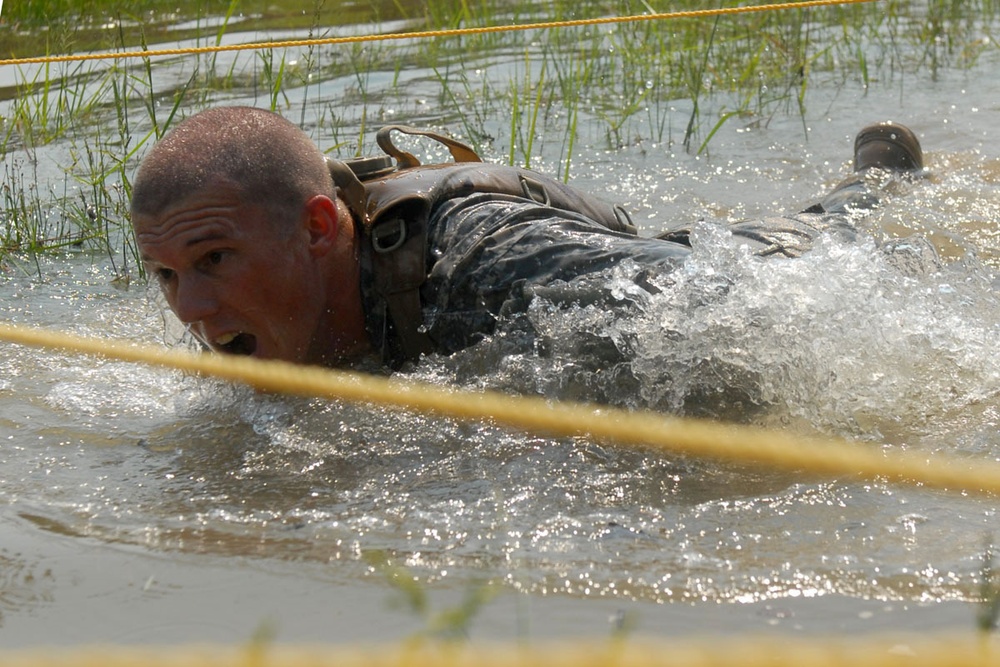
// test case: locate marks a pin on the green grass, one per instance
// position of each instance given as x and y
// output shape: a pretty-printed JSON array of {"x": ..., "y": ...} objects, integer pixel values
[
  {"x": 42, "y": 25},
  {"x": 523, "y": 95}
]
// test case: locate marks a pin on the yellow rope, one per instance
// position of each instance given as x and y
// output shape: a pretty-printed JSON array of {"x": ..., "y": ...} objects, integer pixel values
[
  {"x": 772, "y": 449},
  {"x": 457, "y": 32},
  {"x": 949, "y": 650},
  {"x": 739, "y": 444}
]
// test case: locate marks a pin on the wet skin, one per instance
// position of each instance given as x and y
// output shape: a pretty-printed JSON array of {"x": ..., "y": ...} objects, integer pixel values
[{"x": 244, "y": 283}]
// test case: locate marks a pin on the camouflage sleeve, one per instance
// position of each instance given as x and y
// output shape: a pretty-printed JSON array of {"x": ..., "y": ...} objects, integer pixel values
[{"x": 486, "y": 251}]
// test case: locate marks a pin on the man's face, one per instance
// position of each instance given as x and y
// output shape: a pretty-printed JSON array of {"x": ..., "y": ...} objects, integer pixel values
[{"x": 242, "y": 282}]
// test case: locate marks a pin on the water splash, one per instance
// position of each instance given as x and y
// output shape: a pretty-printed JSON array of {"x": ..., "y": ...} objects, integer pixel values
[
  {"x": 847, "y": 338},
  {"x": 877, "y": 339}
]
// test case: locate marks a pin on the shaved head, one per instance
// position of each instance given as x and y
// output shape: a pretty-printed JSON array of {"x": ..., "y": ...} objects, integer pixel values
[
  {"x": 270, "y": 160},
  {"x": 236, "y": 217}
]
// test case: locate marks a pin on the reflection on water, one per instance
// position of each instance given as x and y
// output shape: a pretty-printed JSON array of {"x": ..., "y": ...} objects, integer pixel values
[
  {"x": 875, "y": 340},
  {"x": 23, "y": 584},
  {"x": 882, "y": 341}
]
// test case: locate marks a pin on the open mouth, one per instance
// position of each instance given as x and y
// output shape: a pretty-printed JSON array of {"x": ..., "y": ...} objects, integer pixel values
[{"x": 242, "y": 344}]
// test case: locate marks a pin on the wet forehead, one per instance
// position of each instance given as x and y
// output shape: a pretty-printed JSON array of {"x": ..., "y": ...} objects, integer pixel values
[{"x": 210, "y": 214}]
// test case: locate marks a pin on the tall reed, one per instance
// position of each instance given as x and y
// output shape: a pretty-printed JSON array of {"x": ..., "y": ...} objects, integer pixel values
[{"x": 529, "y": 97}]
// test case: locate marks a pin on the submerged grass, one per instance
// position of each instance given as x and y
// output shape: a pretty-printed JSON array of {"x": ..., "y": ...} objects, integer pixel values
[{"x": 71, "y": 134}]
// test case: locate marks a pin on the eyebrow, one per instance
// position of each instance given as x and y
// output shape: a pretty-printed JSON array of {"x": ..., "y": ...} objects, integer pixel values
[{"x": 210, "y": 236}]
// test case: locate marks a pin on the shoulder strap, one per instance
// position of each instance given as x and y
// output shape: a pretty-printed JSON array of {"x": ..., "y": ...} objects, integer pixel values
[
  {"x": 396, "y": 242},
  {"x": 393, "y": 205},
  {"x": 459, "y": 151}
]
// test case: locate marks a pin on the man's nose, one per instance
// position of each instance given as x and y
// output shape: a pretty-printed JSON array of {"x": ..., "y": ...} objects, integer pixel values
[{"x": 194, "y": 299}]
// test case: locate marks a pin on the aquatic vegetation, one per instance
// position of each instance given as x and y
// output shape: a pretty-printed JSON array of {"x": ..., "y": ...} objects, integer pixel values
[
  {"x": 854, "y": 340},
  {"x": 989, "y": 603},
  {"x": 532, "y": 97},
  {"x": 449, "y": 623}
]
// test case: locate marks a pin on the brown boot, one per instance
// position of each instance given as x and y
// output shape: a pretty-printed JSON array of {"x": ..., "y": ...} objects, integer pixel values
[{"x": 889, "y": 146}]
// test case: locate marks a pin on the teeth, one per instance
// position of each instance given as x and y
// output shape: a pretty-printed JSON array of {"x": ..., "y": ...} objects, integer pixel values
[{"x": 226, "y": 339}]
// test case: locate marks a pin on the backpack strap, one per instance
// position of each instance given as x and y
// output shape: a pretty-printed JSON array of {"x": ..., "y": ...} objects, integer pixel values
[
  {"x": 393, "y": 250},
  {"x": 394, "y": 245},
  {"x": 392, "y": 206},
  {"x": 459, "y": 152}
]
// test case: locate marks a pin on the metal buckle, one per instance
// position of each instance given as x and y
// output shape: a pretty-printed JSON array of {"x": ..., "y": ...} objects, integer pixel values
[
  {"x": 534, "y": 190},
  {"x": 386, "y": 240}
]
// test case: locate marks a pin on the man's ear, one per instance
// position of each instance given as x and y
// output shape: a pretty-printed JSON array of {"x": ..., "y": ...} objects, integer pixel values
[{"x": 323, "y": 224}]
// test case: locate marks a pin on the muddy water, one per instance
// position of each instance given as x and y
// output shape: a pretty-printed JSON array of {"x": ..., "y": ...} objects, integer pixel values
[{"x": 140, "y": 505}]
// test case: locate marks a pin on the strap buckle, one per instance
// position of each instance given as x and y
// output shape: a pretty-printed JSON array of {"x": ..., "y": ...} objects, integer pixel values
[{"x": 387, "y": 236}]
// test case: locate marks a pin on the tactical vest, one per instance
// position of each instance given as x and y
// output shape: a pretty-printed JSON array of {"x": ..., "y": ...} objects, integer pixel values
[{"x": 393, "y": 204}]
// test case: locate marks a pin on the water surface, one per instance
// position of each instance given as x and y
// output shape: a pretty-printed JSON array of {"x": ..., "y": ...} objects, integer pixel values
[{"x": 139, "y": 505}]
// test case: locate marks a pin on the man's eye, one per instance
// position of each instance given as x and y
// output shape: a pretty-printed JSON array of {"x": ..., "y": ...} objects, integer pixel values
[
  {"x": 164, "y": 274},
  {"x": 215, "y": 258}
]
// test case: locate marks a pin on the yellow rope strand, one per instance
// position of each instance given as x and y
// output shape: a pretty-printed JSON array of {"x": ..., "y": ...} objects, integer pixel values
[
  {"x": 457, "y": 32},
  {"x": 771, "y": 449},
  {"x": 945, "y": 650}
]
